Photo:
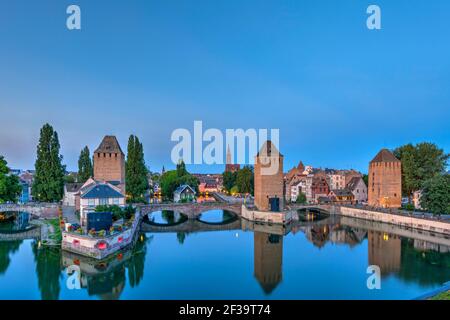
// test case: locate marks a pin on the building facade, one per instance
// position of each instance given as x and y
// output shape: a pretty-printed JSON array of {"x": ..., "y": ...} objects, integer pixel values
[
  {"x": 359, "y": 189},
  {"x": 269, "y": 182},
  {"x": 385, "y": 181}
]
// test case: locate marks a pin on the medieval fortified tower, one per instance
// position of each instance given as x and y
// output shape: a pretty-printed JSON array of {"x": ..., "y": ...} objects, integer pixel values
[
  {"x": 109, "y": 163},
  {"x": 385, "y": 180},
  {"x": 269, "y": 191}
]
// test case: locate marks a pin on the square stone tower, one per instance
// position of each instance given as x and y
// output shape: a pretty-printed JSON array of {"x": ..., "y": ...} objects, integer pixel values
[
  {"x": 269, "y": 185},
  {"x": 385, "y": 181},
  {"x": 109, "y": 162}
]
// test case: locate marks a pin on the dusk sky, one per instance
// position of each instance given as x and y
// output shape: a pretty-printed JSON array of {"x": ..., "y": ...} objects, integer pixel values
[{"x": 337, "y": 91}]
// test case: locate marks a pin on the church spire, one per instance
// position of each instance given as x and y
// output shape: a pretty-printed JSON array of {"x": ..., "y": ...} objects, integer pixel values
[{"x": 228, "y": 155}]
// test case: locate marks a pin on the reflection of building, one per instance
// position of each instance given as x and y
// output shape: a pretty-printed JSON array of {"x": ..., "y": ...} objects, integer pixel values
[
  {"x": 269, "y": 183},
  {"x": 385, "y": 251},
  {"x": 109, "y": 162},
  {"x": 268, "y": 258},
  {"x": 385, "y": 180}
]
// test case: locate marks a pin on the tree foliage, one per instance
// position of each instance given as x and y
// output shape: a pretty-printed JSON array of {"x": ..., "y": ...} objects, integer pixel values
[
  {"x": 244, "y": 180},
  {"x": 49, "y": 178},
  {"x": 436, "y": 194},
  {"x": 229, "y": 180},
  {"x": 301, "y": 198},
  {"x": 135, "y": 171},
  {"x": 9, "y": 184},
  {"x": 171, "y": 180},
  {"x": 85, "y": 169},
  {"x": 420, "y": 163}
]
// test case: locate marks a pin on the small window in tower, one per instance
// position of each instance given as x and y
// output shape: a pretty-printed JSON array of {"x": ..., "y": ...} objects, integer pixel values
[
  {"x": 104, "y": 155},
  {"x": 115, "y": 154}
]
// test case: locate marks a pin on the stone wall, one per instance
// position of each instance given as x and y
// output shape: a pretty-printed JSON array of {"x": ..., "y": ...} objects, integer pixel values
[
  {"x": 400, "y": 220},
  {"x": 268, "y": 186},
  {"x": 268, "y": 217}
]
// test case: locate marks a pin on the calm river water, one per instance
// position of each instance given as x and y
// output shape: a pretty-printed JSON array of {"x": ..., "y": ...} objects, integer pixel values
[{"x": 215, "y": 258}]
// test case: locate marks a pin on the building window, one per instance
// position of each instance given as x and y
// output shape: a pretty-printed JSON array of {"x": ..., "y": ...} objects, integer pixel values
[
  {"x": 91, "y": 202},
  {"x": 116, "y": 201},
  {"x": 103, "y": 201}
]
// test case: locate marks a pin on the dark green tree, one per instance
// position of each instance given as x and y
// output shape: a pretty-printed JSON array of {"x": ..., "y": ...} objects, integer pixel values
[
  {"x": 49, "y": 178},
  {"x": 85, "y": 169},
  {"x": 244, "y": 180},
  {"x": 171, "y": 180},
  {"x": 9, "y": 184},
  {"x": 301, "y": 198},
  {"x": 436, "y": 194},
  {"x": 229, "y": 180},
  {"x": 420, "y": 163},
  {"x": 135, "y": 171}
]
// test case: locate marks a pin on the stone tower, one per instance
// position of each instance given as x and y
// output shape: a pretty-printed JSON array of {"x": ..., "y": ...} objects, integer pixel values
[
  {"x": 268, "y": 259},
  {"x": 269, "y": 186},
  {"x": 385, "y": 180},
  {"x": 109, "y": 162}
]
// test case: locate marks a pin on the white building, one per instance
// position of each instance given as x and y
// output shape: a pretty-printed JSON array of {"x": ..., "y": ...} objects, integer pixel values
[
  {"x": 184, "y": 193},
  {"x": 70, "y": 192},
  {"x": 358, "y": 188},
  {"x": 96, "y": 194}
]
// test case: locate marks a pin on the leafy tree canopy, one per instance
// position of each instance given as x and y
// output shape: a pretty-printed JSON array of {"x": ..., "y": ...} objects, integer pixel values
[
  {"x": 436, "y": 194},
  {"x": 10, "y": 188}
]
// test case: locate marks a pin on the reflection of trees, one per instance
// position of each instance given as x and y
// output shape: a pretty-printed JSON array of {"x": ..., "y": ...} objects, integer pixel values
[
  {"x": 181, "y": 236},
  {"x": 136, "y": 264},
  {"x": 424, "y": 267},
  {"x": 168, "y": 216},
  {"x": 48, "y": 269},
  {"x": 7, "y": 248}
]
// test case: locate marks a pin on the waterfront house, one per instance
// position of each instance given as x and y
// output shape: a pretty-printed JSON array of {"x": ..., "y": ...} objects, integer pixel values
[
  {"x": 341, "y": 196},
  {"x": 358, "y": 188},
  {"x": 97, "y": 193},
  {"x": 184, "y": 193}
]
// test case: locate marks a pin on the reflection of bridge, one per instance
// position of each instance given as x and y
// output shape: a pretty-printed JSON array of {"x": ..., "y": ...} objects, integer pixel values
[
  {"x": 44, "y": 210},
  {"x": 191, "y": 210},
  {"x": 32, "y": 233}
]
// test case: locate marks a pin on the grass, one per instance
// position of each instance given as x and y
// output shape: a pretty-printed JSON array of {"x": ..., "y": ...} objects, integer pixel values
[
  {"x": 442, "y": 296},
  {"x": 56, "y": 236}
]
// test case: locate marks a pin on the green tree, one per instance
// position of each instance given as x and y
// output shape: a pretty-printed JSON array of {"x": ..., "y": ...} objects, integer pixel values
[
  {"x": 136, "y": 171},
  {"x": 10, "y": 188},
  {"x": 229, "y": 180},
  {"x": 244, "y": 180},
  {"x": 85, "y": 169},
  {"x": 171, "y": 180},
  {"x": 420, "y": 163},
  {"x": 301, "y": 198},
  {"x": 436, "y": 194},
  {"x": 49, "y": 178}
]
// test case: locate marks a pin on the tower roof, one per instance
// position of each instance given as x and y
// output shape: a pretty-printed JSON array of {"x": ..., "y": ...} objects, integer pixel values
[
  {"x": 385, "y": 156},
  {"x": 109, "y": 145},
  {"x": 268, "y": 148}
]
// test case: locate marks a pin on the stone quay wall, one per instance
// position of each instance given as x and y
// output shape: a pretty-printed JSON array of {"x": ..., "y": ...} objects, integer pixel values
[
  {"x": 283, "y": 217},
  {"x": 400, "y": 220}
]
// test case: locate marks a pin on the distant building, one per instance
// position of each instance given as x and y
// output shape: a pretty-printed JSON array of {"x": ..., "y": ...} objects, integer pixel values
[
  {"x": 70, "y": 192},
  {"x": 184, "y": 193},
  {"x": 297, "y": 187},
  {"x": 358, "y": 188},
  {"x": 109, "y": 163},
  {"x": 385, "y": 180},
  {"x": 95, "y": 193},
  {"x": 25, "y": 194},
  {"x": 341, "y": 196},
  {"x": 268, "y": 176},
  {"x": 416, "y": 199},
  {"x": 229, "y": 166},
  {"x": 298, "y": 170},
  {"x": 316, "y": 186},
  {"x": 336, "y": 180}
]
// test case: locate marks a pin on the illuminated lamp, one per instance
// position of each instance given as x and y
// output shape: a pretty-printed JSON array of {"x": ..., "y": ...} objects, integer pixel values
[{"x": 102, "y": 245}]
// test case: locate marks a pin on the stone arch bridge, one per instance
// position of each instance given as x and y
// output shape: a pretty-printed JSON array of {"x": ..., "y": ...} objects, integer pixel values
[
  {"x": 39, "y": 210},
  {"x": 191, "y": 210}
]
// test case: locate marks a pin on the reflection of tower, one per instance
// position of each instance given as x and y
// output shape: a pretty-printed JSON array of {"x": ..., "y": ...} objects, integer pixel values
[
  {"x": 385, "y": 251},
  {"x": 268, "y": 257}
]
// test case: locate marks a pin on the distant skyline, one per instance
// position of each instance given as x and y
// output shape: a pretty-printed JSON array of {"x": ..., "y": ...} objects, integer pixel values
[{"x": 337, "y": 91}]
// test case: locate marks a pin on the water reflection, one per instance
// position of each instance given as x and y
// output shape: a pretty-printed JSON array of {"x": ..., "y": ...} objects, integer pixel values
[
  {"x": 410, "y": 258},
  {"x": 165, "y": 217},
  {"x": 217, "y": 217},
  {"x": 268, "y": 260},
  {"x": 14, "y": 222}
]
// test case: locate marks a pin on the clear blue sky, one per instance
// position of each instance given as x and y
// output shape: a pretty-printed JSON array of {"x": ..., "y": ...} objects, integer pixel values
[{"x": 337, "y": 91}]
